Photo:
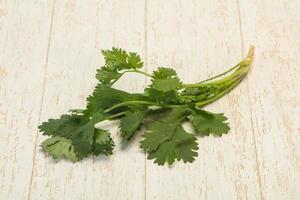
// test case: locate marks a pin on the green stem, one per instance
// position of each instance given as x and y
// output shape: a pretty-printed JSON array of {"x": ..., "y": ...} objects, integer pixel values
[
  {"x": 230, "y": 81},
  {"x": 241, "y": 68},
  {"x": 115, "y": 115},
  {"x": 219, "y": 95},
  {"x": 140, "y": 102},
  {"x": 138, "y": 71},
  {"x": 134, "y": 70},
  {"x": 227, "y": 83},
  {"x": 222, "y": 74},
  {"x": 236, "y": 73},
  {"x": 159, "y": 110},
  {"x": 214, "y": 77}
]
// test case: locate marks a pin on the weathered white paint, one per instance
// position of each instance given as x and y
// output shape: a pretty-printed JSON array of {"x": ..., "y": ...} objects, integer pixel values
[
  {"x": 199, "y": 39},
  {"x": 273, "y": 90},
  {"x": 24, "y": 30},
  {"x": 49, "y": 51}
]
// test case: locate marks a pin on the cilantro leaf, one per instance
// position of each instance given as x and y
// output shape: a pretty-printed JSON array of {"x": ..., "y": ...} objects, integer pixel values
[
  {"x": 117, "y": 60},
  {"x": 207, "y": 122},
  {"x": 165, "y": 79},
  {"x": 165, "y": 153},
  {"x": 160, "y": 97},
  {"x": 164, "y": 87},
  {"x": 166, "y": 84},
  {"x": 186, "y": 145},
  {"x": 83, "y": 137},
  {"x": 163, "y": 72},
  {"x": 157, "y": 133},
  {"x": 181, "y": 146},
  {"x": 79, "y": 129},
  {"x": 131, "y": 123},
  {"x": 165, "y": 104},
  {"x": 105, "y": 97},
  {"x": 161, "y": 130},
  {"x": 65, "y": 126},
  {"x": 166, "y": 140},
  {"x": 103, "y": 143},
  {"x": 107, "y": 76},
  {"x": 59, "y": 147},
  {"x": 134, "y": 61}
]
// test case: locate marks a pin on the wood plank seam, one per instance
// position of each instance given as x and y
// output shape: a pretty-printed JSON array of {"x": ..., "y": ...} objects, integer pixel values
[
  {"x": 146, "y": 80},
  {"x": 42, "y": 100},
  {"x": 248, "y": 97}
]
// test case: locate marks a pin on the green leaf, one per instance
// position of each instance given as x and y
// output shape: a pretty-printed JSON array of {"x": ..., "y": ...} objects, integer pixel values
[
  {"x": 134, "y": 60},
  {"x": 163, "y": 72},
  {"x": 170, "y": 97},
  {"x": 65, "y": 126},
  {"x": 79, "y": 129},
  {"x": 59, "y": 147},
  {"x": 165, "y": 104},
  {"x": 83, "y": 137},
  {"x": 166, "y": 140},
  {"x": 165, "y": 79},
  {"x": 160, "y": 130},
  {"x": 118, "y": 59},
  {"x": 167, "y": 84},
  {"x": 131, "y": 123},
  {"x": 157, "y": 133},
  {"x": 165, "y": 153},
  {"x": 105, "y": 97},
  {"x": 164, "y": 87},
  {"x": 207, "y": 122},
  {"x": 103, "y": 143},
  {"x": 105, "y": 76},
  {"x": 181, "y": 146},
  {"x": 186, "y": 145},
  {"x": 115, "y": 58},
  {"x": 176, "y": 114}
]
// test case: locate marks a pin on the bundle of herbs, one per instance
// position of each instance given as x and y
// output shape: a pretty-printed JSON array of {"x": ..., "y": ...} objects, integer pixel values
[{"x": 163, "y": 107}]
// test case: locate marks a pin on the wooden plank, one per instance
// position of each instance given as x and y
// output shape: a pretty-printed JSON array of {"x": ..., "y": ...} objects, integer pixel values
[
  {"x": 258, "y": 159},
  {"x": 273, "y": 26},
  {"x": 24, "y": 31},
  {"x": 199, "y": 39},
  {"x": 80, "y": 30}
]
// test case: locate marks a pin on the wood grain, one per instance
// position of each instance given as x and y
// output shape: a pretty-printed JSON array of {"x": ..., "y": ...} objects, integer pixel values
[
  {"x": 23, "y": 49},
  {"x": 73, "y": 59},
  {"x": 274, "y": 93},
  {"x": 200, "y": 39},
  {"x": 49, "y": 51}
]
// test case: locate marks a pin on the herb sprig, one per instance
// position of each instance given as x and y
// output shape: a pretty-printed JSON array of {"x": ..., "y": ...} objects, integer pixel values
[{"x": 165, "y": 104}]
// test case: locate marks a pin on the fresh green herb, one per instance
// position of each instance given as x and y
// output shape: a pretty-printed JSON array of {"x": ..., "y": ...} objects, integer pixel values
[{"x": 165, "y": 104}]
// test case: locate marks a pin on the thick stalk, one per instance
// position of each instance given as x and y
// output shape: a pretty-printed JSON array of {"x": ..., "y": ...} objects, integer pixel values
[
  {"x": 149, "y": 103},
  {"x": 242, "y": 67},
  {"x": 231, "y": 81},
  {"x": 218, "y": 95}
]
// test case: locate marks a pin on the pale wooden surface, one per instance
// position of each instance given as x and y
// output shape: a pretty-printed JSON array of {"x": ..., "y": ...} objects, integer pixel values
[{"x": 49, "y": 51}]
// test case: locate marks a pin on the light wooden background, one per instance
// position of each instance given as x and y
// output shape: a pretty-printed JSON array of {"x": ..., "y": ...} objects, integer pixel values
[{"x": 49, "y": 51}]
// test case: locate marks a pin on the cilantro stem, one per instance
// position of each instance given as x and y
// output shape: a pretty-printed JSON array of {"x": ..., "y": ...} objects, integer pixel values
[
  {"x": 140, "y": 102},
  {"x": 134, "y": 70},
  {"x": 220, "y": 94},
  {"x": 214, "y": 77},
  {"x": 224, "y": 73},
  {"x": 240, "y": 68},
  {"x": 138, "y": 71},
  {"x": 115, "y": 115}
]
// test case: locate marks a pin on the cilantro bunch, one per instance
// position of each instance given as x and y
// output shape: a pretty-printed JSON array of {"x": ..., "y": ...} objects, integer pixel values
[{"x": 162, "y": 109}]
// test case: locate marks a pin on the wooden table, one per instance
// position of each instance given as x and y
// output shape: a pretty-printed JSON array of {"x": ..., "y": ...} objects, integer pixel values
[{"x": 49, "y": 51}]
